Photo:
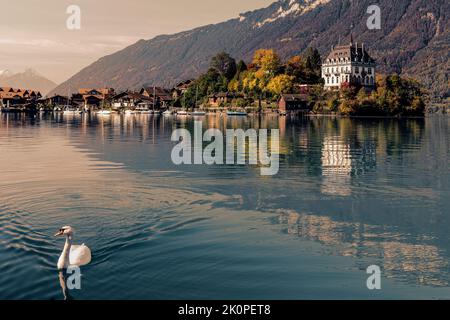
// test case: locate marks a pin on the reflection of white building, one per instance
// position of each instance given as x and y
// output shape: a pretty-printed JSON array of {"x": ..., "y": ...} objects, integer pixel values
[
  {"x": 340, "y": 162},
  {"x": 336, "y": 167}
]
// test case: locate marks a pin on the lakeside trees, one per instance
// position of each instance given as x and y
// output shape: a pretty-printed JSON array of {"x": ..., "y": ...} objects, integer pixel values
[
  {"x": 267, "y": 77},
  {"x": 394, "y": 96}
]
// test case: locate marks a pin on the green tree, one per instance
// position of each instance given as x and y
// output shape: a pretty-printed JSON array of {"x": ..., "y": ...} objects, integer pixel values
[
  {"x": 241, "y": 67},
  {"x": 224, "y": 64},
  {"x": 313, "y": 63},
  {"x": 313, "y": 60}
]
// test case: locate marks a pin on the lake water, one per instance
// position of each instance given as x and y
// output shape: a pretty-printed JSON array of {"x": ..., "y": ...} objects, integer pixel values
[{"x": 350, "y": 193}]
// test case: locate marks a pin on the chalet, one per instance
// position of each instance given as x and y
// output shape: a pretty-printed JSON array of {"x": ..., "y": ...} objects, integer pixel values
[
  {"x": 7, "y": 93},
  {"x": 349, "y": 64},
  {"x": 35, "y": 95},
  {"x": 94, "y": 98},
  {"x": 131, "y": 100},
  {"x": 57, "y": 100},
  {"x": 180, "y": 89},
  {"x": 104, "y": 92},
  {"x": 92, "y": 101},
  {"x": 12, "y": 98},
  {"x": 5, "y": 89},
  {"x": 77, "y": 99},
  {"x": 32, "y": 95},
  {"x": 218, "y": 99},
  {"x": 161, "y": 97},
  {"x": 293, "y": 102},
  {"x": 18, "y": 96}
]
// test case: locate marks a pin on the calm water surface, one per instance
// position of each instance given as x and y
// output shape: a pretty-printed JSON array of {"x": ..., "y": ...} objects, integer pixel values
[{"x": 350, "y": 193}]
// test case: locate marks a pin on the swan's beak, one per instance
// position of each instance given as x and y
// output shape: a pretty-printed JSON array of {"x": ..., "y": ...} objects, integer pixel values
[{"x": 59, "y": 233}]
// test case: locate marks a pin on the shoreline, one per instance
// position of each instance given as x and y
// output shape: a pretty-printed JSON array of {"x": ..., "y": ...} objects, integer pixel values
[{"x": 221, "y": 113}]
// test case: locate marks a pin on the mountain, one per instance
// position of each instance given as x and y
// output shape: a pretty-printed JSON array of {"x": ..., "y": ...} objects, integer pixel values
[
  {"x": 29, "y": 79},
  {"x": 414, "y": 40},
  {"x": 5, "y": 73}
]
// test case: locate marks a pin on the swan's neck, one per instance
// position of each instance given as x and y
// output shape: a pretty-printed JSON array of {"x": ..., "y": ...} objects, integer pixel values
[{"x": 64, "y": 259}]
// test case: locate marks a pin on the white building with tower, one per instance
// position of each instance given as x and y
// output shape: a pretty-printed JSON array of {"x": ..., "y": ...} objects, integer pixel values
[{"x": 349, "y": 64}]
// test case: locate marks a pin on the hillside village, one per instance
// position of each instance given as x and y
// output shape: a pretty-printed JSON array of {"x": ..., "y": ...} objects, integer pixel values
[{"x": 344, "y": 83}]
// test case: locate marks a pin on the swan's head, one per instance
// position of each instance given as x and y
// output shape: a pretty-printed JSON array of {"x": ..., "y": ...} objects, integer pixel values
[{"x": 65, "y": 231}]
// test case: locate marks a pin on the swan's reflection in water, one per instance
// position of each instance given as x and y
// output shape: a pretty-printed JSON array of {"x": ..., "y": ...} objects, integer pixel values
[{"x": 62, "y": 275}]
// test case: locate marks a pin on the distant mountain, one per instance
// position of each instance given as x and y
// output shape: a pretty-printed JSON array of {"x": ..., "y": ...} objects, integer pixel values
[
  {"x": 5, "y": 73},
  {"x": 414, "y": 40},
  {"x": 29, "y": 79}
]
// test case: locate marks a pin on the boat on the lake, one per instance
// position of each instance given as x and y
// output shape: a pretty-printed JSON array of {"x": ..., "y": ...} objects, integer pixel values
[
  {"x": 182, "y": 113},
  {"x": 71, "y": 111},
  {"x": 143, "y": 110},
  {"x": 104, "y": 112},
  {"x": 198, "y": 113},
  {"x": 236, "y": 113},
  {"x": 167, "y": 113}
]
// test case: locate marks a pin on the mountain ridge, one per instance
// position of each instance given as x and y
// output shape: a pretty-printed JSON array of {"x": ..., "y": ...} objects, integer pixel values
[
  {"x": 413, "y": 40},
  {"x": 28, "y": 79}
]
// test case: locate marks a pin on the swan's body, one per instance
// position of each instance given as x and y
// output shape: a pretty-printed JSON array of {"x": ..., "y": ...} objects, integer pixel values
[{"x": 72, "y": 255}]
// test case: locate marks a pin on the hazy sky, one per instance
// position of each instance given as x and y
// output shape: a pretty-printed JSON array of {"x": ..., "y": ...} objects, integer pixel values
[{"x": 33, "y": 33}]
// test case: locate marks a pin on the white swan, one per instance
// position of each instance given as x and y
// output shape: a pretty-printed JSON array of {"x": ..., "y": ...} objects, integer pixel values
[{"x": 72, "y": 255}]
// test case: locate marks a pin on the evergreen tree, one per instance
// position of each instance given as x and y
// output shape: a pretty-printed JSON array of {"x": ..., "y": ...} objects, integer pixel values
[{"x": 224, "y": 64}]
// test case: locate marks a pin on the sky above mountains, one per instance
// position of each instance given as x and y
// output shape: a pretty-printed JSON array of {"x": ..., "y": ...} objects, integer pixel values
[{"x": 33, "y": 33}]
